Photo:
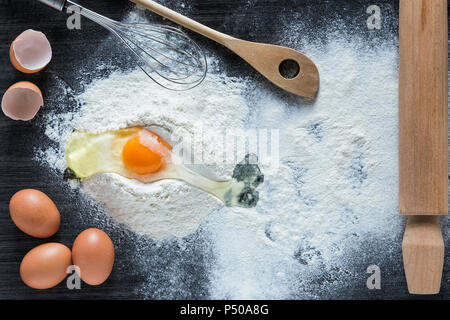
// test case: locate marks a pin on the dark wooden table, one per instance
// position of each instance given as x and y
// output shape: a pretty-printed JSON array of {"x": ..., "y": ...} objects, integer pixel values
[{"x": 185, "y": 272}]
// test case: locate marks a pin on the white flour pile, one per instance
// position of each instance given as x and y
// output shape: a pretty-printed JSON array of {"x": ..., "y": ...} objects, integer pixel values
[
  {"x": 336, "y": 184},
  {"x": 165, "y": 208}
]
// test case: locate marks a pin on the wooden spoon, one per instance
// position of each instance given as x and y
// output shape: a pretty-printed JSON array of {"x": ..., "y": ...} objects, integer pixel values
[{"x": 265, "y": 58}]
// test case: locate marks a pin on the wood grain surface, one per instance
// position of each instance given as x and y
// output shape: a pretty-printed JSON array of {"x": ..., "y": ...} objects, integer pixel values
[{"x": 423, "y": 108}]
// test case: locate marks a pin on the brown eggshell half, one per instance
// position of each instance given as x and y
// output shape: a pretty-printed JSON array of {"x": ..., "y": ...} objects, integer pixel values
[
  {"x": 30, "y": 52},
  {"x": 46, "y": 265},
  {"x": 34, "y": 213},
  {"x": 22, "y": 101}
]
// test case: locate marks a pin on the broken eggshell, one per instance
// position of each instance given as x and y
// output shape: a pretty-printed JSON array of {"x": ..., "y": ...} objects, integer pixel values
[
  {"x": 30, "y": 52},
  {"x": 22, "y": 101}
]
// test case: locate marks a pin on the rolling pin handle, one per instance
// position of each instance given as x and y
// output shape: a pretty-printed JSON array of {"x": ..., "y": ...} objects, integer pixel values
[{"x": 423, "y": 254}]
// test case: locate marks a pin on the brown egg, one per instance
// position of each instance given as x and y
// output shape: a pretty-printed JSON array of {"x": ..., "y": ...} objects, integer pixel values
[
  {"x": 93, "y": 253},
  {"x": 34, "y": 213},
  {"x": 46, "y": 265}
]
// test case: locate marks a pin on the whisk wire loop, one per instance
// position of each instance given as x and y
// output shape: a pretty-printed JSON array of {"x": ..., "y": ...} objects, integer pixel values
[{"x": 166, "y": 54}]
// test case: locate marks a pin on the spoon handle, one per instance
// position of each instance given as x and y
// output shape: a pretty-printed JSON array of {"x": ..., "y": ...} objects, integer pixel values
[{"x": 193, "y": 25}]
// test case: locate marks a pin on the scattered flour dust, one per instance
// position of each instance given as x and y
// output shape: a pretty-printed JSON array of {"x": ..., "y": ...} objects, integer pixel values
[
  {"x": 336, "y": 184},
  {"x": 335, "y": 188}
]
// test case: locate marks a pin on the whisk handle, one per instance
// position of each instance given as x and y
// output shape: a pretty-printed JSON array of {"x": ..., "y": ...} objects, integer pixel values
[
  {"x": 55, "y": 4},
  {"x": 185, "y": 21}
]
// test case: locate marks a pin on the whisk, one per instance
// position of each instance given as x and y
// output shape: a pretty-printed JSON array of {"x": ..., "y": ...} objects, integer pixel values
[{"x": 167, "y": 55}]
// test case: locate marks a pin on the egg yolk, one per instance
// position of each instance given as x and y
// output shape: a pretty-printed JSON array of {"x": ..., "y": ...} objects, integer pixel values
[{"x": 144, "y": 158}]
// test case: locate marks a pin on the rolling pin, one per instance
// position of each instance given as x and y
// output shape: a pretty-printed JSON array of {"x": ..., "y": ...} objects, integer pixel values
[{"x": 423, "y": 139}]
